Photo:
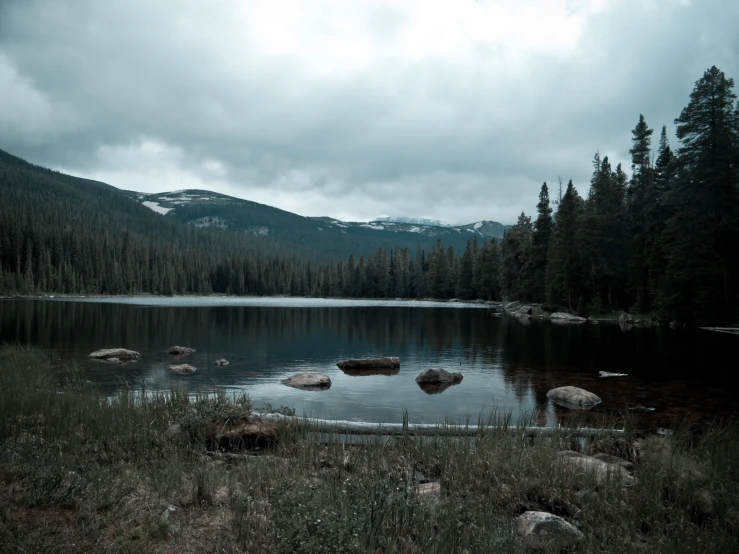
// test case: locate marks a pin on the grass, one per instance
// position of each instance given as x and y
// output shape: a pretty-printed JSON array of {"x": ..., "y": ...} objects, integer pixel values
[{"x": 81, "y": 472}]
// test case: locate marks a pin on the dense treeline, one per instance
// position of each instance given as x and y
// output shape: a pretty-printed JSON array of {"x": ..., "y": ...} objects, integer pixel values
[{"x": 665, "y": 239}]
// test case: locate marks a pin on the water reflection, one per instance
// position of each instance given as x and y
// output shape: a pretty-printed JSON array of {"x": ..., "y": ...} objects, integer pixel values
[{"x": 506, "y": 365}]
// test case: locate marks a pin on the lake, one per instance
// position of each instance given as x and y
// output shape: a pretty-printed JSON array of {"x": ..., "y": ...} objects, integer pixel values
[{"x": 508, "y": 365}]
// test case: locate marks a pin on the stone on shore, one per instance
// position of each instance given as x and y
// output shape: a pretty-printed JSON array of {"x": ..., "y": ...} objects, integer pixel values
[
  {"x": 242, "y": 434},
  {"x": 600, "y": 469},
  {"x": 542, "y": 530},
  {"x": 574, "y": 397},
  {"x": 182, "y": 369},
  {"x": 370, "y": 363},
  {"x": 120, "y": 354},
  {"x": 308, "y": 381},
  {"x": 180, "y": 350}
]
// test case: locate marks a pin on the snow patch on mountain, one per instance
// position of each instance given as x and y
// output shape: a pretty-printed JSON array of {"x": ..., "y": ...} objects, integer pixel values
[
  {"x": 157, "y": 208},
  {"x": 478, "y": 225}
]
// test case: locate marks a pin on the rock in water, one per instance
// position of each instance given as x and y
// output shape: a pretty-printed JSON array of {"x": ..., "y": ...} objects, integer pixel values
[
  {"x": 438, "y": 376},
  {"x": 221, "y": 362},
  {"x": 542, "y": 530},
  {"x": 573, "y": 397},
  {"x": 121, "y": 354},
  {"x": 370, "y": 363},
  {"x": 609, "y": 374},
  {"x": 308, "y": 381},
  {"x": 183, "y": 369},
  {"x": 180, "y": 350},
  {"x": 562, "y": 317}
]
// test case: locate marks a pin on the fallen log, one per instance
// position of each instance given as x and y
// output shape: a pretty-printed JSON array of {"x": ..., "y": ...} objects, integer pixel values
[{"x": 429, "y": 429}]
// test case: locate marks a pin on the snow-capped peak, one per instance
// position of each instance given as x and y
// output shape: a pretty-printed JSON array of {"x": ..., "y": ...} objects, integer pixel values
[{"x": 412, "y": 221}]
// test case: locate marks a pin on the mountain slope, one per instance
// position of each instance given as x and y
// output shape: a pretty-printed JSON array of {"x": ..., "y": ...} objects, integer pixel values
[{"x": 332, "y": 237}]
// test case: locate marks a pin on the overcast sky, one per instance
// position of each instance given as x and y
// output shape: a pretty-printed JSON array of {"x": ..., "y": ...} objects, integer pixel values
[{"x": 451, "y": 109}]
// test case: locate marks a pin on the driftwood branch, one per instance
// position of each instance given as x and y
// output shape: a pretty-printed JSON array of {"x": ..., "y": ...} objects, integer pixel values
[{"x": 430, "y": 429}]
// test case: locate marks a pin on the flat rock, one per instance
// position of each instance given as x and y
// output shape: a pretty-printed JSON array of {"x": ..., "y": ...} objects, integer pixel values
[
  {"x": 182, "y": 369},
  {"x": 121, "y": 354},
  {"x": 574, "y": 397},
  {"x": 601, "y": 470},
  {"x": 180, "y": 350},
  {"x": 543, "y": 530},
  {"x": 309, "y": 381},
  {"x": 370, "y": 363},
  {"x": 220, "y": 363},
  {"x": 609, "y": 374}
]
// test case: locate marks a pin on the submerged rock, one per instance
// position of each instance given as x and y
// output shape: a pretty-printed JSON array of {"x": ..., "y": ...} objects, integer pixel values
[
  {"x": 375, "y": 371},
  {"x": 182, "y": 369},
  {"x": 180, "y": 350},
  {"x": 609, "y": 374},
  {"x": 308, "y": 381},
  {"x": 370, "y": 363},
  {"x": 222, "y": 362},
  {"x": 574, "y": 397},
  {"x": 543, "y": 530},
  {"x": 114, "y": 361},
  {"x": 120, "y": 354}
]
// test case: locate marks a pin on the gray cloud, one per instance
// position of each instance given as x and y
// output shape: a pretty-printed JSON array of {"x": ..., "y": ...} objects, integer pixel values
[{"x": 153, "y": 98}]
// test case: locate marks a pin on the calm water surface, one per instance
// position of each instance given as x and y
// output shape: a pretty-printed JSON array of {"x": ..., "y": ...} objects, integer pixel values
[{"x": 507, "y": 365}]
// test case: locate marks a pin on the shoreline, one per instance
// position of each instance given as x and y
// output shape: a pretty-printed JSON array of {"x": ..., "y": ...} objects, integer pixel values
[{"x": 172, "y": 474}]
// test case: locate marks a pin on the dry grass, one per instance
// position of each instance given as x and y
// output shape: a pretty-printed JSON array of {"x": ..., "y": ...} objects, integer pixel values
[{"x": 79, "y": 472}]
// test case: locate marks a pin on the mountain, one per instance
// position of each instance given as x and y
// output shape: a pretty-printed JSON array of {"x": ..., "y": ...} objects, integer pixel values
[{"x": 325, "y": 237}]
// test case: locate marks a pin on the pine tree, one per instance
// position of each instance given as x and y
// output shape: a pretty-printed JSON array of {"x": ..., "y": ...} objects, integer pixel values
[
  {"x": 564, "y": 263},
  {"x": 515, "y": 250},
  {"x": 702, "y": 234},
  {"x": 639, "y": 207},
  {"x": 464, "y": 288},
  {"x": 537, "y": 263}
]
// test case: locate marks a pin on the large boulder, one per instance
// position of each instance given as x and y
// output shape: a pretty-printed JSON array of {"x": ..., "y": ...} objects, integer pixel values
[
  {"x": 180, "y": 350},
  {"x": 542, "y": 530},
  {"x": 563, "y": 317},
  {"x": 574, "y": 397},
  {"x": 597, "y": 467},
  {"x": 182, "y": 369},
  {"x": 436, "y": 381},
  {"x": 308, "y": 381},
  {"x": 119, "y": 354},
  {"x": 438, "y": 375},
  {"x": 370, "y": 363}
]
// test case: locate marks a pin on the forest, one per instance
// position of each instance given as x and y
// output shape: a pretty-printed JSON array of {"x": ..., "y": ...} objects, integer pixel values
[{"x": 664, "y": 240}]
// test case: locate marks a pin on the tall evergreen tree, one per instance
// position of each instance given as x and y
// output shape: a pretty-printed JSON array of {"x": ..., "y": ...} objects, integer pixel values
[
  {"x": 703, "y": 231},
  {"x": 564, "y": 274},
  {"x": 537, "y": 263},
  {"x": 639, "y": 206}
]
